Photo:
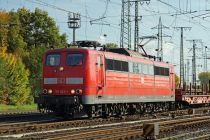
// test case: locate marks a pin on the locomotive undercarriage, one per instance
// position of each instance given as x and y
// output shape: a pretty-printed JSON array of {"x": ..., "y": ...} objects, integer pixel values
[
  {"x": 70, "y": 106},
  {"x": 121, "y": 109}
]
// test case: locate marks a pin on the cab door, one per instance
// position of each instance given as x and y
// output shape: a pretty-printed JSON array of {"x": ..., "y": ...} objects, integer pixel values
[{"x": 99, "y": 75}]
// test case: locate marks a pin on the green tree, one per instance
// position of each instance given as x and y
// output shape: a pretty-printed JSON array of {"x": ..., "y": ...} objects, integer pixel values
[
  {"x": 177, "y": 81},
  {"x": 23, "y": 39},
  {"x": 34, "y": 61},
  {"x": 4, "y": 89},
  {"x": 38, "y": 29},
  {"x": 14, "y": 76},
  {"x": 4, "y": 22},
  {"x": 39, "y": 32},
  {"x": 204, "y": 77},
  {"x": 26, "y": 25},
  {"x": 15, "y": 39},
  {"x": 19, "y": 84},
  {"x": 111, "y": 45},
  {"x": 14, "y": 79}
]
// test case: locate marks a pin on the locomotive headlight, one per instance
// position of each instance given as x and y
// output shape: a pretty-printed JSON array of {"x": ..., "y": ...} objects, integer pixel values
[
  {"x": 61, "y": 69},
  {"x": 44, "y": 91},
  {"x": 50, "y": 91},
  {"x": 72, "y": 91},
  {"x": 78, "y": 91}
]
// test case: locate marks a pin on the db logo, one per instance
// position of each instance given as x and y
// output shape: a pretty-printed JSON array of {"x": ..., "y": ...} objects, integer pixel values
[{"x": 142, "y": 80}]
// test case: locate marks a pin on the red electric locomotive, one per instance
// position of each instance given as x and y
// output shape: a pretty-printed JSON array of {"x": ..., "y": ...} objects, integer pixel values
[{"x": 109, "y": 82}]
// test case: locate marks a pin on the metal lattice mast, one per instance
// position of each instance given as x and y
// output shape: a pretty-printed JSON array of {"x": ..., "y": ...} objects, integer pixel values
[
  {"x": 160, "y": 36},
  {"x": 182, "y": 80},
  {"x": 182, "y": 77},
  {"x": 137, "y": 19},
  {"x": 194, "y": 64},
  {"x": 188, "y": 71},
  {"x": 160, "y": 39},
  {"x": 194, "y": 74},
  {"x": 205, "y": 59},
  {"x": 125, "y": 37},
  {"x": 122, "y": 25},
  {"x": 136, "y": 31},
  {"x": 185, "y": 71}
]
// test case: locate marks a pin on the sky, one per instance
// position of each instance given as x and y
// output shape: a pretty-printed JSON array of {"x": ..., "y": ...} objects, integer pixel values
[{"x": 173, "y": 13}]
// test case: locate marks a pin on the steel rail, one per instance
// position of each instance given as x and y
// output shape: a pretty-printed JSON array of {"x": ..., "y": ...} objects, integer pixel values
[
  {"x": 125, "y": 132},
  {"x": 15, "y": 129}
]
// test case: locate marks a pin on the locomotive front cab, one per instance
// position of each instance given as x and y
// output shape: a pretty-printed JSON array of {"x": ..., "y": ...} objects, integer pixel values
[{"x": 63, "y": 80}]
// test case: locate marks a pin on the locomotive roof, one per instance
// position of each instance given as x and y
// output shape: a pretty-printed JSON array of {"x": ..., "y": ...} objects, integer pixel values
[
  {"x": 95, "y": 45},
  {"x": 126, "y": 52},
  {"x": 121, "y": 51}
]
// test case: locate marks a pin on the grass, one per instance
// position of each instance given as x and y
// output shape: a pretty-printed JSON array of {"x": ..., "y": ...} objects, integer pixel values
[{"x": 8, "y": 108}]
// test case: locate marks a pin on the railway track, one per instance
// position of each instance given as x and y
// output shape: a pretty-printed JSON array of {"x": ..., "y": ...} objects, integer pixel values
[
  {"x": 16, "y": 115},
  {"x": 3, "y": 113},
  {"x": 62, "y": 127},
  {"x": 127, "y": 130},
  {"x": 55, "y": 124},
  {"x": 12, "y": 119},
  {"x": 188, "y": 128}
]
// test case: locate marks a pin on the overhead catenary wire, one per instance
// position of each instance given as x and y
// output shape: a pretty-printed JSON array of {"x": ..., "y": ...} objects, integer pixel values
[
  {"x": 149, "y": 12},
  {"x": 39, "y": 2}
]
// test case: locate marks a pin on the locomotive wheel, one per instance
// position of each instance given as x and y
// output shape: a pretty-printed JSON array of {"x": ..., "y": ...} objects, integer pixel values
[
  {"x": 105, "y": 111},
  {"x": 131, "y": 110},
  {"x": 116, "y": 110},
  {"x": 90, "y": 110}
]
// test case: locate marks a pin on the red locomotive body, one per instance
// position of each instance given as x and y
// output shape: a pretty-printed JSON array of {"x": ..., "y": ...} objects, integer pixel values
[{"x": 113, "y": 82}]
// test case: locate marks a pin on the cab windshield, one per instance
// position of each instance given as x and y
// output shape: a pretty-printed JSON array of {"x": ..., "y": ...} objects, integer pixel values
[
  {"x": 74, "y": 59},
  {"x": 53, "y": 60}
]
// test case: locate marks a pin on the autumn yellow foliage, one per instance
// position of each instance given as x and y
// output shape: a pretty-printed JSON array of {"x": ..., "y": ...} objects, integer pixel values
[
  {"x": 4, "y": 17},
  {"x": 14, "y": 82}
]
